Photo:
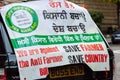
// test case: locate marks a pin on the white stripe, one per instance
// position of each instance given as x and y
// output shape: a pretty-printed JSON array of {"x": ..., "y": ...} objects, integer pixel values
[{"x": 117, "y": 51}]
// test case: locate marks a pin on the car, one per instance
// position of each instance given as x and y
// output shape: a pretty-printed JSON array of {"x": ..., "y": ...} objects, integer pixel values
[
  {"x": 52, "y": 40},
  {"x": 115, "y": 38}
]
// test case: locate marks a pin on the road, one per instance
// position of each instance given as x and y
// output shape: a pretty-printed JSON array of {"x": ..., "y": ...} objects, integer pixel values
[{"x": 116, "y": 49}]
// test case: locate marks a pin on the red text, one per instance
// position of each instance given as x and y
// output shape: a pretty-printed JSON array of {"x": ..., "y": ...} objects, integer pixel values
[
  {"x": 48, "y": 50},
  {"x": 92, "y": 47},
  {"x": 23, "y": 64},
  {"x": 22, "y": 53},
  {"x": 53, "y": 59},
  {"x": 35, "y": 62},
  {"x": 92, "y": 58},
  {"x": 43, "y": 71}
]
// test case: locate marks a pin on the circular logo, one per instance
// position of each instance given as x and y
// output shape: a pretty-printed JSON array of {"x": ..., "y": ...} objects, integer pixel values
[{"x": 21, "y": 19}]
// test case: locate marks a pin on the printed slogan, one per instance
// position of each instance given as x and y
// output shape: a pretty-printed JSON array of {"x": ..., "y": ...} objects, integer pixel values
[
  {"x": 55, "y": 34},
  {"x": 80, "y": 58}
]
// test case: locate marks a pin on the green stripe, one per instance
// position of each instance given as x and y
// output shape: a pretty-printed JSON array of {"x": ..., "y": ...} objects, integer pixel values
[{"x": 55, "y": 39}]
